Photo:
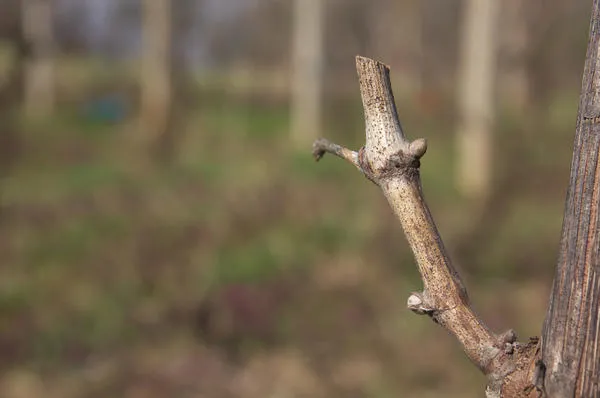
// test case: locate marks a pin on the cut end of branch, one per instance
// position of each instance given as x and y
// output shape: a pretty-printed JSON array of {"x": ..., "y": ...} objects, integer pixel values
[
  {"x": 323, "y": 146},
  {"x": 318, "y": 148},
  {"x": 363, "y": 62},
  {"x": 384, "y": 136}
]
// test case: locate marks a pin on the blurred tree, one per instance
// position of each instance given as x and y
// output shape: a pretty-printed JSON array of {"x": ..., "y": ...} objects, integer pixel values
[
  {"x": 11, "y": 30},
  {"x": 515, "y": 44},
  {"x": 257, "y": 33},
  {"x": 39, "y": 66},
  {"x": 351, "y": 27},
  {"x": 11, "y": 92},
  {"x": 440, "y": 33},
  {"x": 183, "y": 17},
  {"x": 413, "y": 22},
  {"x": 555, "y": 47},
  {"x": 477, "y": 70},
  {"x": 156, "y": 73},
  {"x": 307, "y": 80}
]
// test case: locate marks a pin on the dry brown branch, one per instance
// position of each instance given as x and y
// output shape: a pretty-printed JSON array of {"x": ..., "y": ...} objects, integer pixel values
[{"x": 392, "y": 162}]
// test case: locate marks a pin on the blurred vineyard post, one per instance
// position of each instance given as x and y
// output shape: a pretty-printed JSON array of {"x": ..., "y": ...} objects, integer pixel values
[
  {"x": 516, "y": 43},
  {"x": 307, "y": 75},
  {"x": 414, "y": 21},
  {"x": 156, "y": 85},
  {"x": 476, "y": 76},
  {"x": 39, "y": 66}
]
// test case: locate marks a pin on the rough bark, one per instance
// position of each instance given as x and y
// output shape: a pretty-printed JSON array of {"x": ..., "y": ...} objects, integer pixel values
[
  {"x": 477, "y": 67},
  {"x": 307, "y": 78},
  {"x": 571, "y": 334},
  {"x": 392, "y": 162}
]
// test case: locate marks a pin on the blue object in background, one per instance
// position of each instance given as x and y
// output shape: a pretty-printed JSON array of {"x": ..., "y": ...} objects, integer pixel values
[{"x": 111, "y": 108}]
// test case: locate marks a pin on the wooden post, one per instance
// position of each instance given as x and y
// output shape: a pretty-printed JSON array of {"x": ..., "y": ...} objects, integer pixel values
[
  {"x": 307, "y": 79},
  {"x": 156, "y": 84},
  {"x": 477, "y": 71},
  {"x": 39, "y": 63}
]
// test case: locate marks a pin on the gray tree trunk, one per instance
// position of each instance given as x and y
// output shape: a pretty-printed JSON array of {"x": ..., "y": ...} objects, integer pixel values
[
  {"x": 477, "y": 71},
  {"x": 307, "y": 74}
]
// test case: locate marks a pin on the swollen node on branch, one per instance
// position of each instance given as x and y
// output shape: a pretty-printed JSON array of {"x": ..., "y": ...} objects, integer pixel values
[{"x": 416, "y": 304}]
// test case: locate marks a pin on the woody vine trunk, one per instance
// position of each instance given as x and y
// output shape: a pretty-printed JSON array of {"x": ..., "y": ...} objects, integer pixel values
[{"x": 570, "y": 356}]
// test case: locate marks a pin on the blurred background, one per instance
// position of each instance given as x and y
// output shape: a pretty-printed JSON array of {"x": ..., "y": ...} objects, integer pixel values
[{"x": 165, "y": 232}]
